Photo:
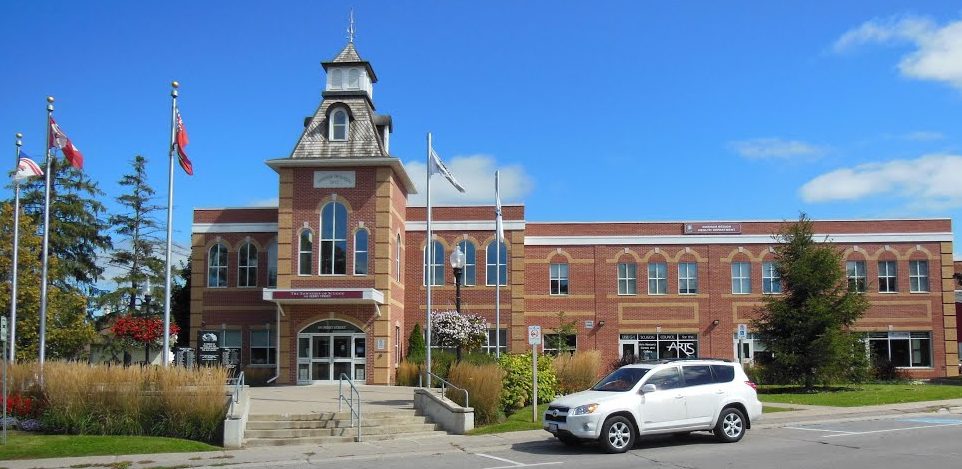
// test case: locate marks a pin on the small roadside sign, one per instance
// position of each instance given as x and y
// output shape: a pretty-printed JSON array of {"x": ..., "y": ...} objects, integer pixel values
[
  {"x": 3, "y": 328},
  {"x": 534, "y": 335},
  {"x": 742, "y": 331}
]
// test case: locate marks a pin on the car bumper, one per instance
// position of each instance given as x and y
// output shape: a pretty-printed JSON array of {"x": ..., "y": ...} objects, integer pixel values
[
  {"x": 754, "y": 411},
  {"x": 581, "y": 426}
]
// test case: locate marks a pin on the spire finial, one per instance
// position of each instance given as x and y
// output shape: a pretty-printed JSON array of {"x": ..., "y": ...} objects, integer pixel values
[{"x": 350, "y": 28}]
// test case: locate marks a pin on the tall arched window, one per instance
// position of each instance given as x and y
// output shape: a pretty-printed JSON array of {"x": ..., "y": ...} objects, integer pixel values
[
  {"x": 397, "y": 258},
  {"x": 339, "y": 124},
  {"x": 360, "y": 252},
  {"x": 333, "y": 239},
  {"x": 353, "y": 79},
  {"x": 470, "y": 274},
  {"x": 337, "y": 79},
  {"x": 247, "y": 265},
  {"x": 493, "y": 266},
  {"x": 217, "y": 266},
  {"x": 434, "y": 263},
  {"x": 272, "y": 264},
  {"x": 305, "y": 252}
]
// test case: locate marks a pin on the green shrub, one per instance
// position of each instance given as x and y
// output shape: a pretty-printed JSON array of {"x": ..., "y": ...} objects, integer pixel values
[
  {"x": 479, "y": 358},
  {"x": 408, "y": 374},
  {"x": 417, "y": 349},
  {"x": 483, "y": 383},
  {"x": 578, "y": 371},
  {"x": 516, "y": 390},
  {"x": 441, "y": 361},
  {"x": 885, "y": 370}
]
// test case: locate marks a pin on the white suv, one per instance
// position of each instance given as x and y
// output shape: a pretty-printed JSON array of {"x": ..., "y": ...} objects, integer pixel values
[{"x": 670, "y": 396}]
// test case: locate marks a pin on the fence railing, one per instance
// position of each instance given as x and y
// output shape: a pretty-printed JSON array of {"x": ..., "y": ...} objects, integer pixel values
[
  {"x": 238, "y": 383},
  {"x": 352, "y": 392},
  {"x": 445, "y": 384}
]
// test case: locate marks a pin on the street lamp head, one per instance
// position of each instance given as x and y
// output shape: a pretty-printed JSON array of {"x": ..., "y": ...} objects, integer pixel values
[{"x": 457, "y": 258}]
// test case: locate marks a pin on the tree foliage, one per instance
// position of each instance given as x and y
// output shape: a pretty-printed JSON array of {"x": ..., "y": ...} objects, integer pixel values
[
  {"x": 180, "y": 303},
  {"x": 807, "y": 327},
  {"x": 459, "y": 331},
  {"x": 416, "y": 346}
]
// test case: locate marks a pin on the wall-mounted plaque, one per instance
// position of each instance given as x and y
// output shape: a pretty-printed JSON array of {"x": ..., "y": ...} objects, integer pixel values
[
  {"x": 334, "y": 179},
  {"x": 712, "y": 228}
]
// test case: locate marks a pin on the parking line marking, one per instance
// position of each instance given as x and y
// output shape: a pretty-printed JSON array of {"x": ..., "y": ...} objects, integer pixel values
[
  {"x": 817, "y": 430},
  {"x": 895, "y": 430},
  {"x": 514, "y": 463}
]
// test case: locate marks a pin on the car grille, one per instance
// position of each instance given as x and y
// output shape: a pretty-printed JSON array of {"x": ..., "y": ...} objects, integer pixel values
[{"x": 561, "y": 411}]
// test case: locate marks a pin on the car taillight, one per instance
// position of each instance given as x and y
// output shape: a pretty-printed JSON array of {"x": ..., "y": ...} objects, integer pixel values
[{"x": 753, "y": 385}]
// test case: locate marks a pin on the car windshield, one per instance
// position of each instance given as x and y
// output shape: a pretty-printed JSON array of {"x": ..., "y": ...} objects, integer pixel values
[{"x": 622, "y": 379}]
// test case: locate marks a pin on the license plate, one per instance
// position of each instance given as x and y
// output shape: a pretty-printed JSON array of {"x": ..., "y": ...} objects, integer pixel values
[{"x": 553, "y": 427}]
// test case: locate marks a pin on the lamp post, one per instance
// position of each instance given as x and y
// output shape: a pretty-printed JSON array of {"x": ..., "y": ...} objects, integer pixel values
[
  {"x": 457, "y": 264},
  {"x": 145, "y": 312}
]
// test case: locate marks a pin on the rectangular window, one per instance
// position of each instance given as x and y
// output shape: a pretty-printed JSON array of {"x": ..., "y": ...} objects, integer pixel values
[
  {"x": 263, "y": 347},
  {"x": 559, "y": 279},
  {"x": 887, "y": 277},
  {"x": 741, "y": 278},
  {"x": 657, "y": 278},
  {"x": 687, "y": 278},
  {"x": 492, "y": 344},
  {"x": 627, "y": 279},
  {"x": 771, "y": 279},
  {"x": 555, "y": 343},
  {"x": 902, "y": 349},
  {"x": 855, "y": 270},
  {"x": 918, "y": 276},
  {"x": 230, "y": 338}
]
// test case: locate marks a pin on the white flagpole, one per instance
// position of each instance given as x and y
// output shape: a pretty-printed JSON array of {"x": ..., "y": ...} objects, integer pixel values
[
  {"x": 497, "y": 288},
  {"x": 429, "y": 271},
  {"x": 46, "y": 240},
  {"x": 165, "y": 351},
  {"x": 16, "y": 251}
]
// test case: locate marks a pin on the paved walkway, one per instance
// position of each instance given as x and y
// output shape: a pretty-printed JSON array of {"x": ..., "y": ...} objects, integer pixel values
[{"x": 308, "y": 399}]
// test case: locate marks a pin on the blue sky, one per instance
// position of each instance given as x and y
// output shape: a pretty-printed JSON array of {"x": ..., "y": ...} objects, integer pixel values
[{"x": 603, "y": 111}]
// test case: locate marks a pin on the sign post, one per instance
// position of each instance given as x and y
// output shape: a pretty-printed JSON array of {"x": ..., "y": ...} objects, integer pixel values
[
  {"x": 742, "y": 335},
  {"x": 534, "y": 338}
]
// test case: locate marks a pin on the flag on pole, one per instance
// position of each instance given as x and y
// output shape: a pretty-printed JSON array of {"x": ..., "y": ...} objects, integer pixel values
[
  {"x": 27, "y": 168},
  {"x": 497, "y": 208},
  {"x": 181, "y": 141},
  {"x": 436, "y": 166},
  {"x": 59, "y": 140}
]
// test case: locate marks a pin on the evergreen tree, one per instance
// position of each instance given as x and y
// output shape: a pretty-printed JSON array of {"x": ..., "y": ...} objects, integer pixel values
[
  {"x": 807, "y": 327},
  {"x": 138, "y": 251},
  {"x": 78, "y": 230},
  {"x": 180, "y": 304},
  {"x": 417, "y": 348}
]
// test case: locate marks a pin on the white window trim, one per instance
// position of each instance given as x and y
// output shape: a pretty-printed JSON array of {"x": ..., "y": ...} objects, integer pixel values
[
  {"x": 491, "y": 262},
  {"x": 688, "y": 278},
  {"x": 397, "y": 258},
  {"x": 894, "y": 276},
  {"x": 469, "y": 261},
  {"x": 300, "y": 250},
  {"x": 334, "y": 123},
  {"x": 271, "y": 346},
  {"x": 219, "y": 267},
  {"x": 627, "y": 278},
  {"x": 429, "y": 263},
  {"x": 243, "y": 258},
  {"x": 747, "y": 277},
  {"x": 333, "y": 240},
  {"x": 664, "y": 278},
  {"x": 559, "y": 278},
  {"x": 918, "y": 275},
  {"x": 863, "y": 276},
  {"x": 367, "y": 244},
  {"x": 768, "y": 267}
]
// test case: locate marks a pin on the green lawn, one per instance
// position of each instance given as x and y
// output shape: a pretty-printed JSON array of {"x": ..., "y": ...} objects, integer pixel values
[
  {"x": 520, "y": 420},
  {"x": 22, "y": 445},
  {"x": 769, "y": 409},
  {"x": 860, "y": 395}
]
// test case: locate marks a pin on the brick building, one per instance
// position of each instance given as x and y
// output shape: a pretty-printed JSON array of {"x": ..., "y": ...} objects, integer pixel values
[{"x": 332, "y": 280}]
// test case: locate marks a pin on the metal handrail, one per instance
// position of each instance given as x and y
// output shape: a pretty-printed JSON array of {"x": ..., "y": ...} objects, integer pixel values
[
  {"x": 238, "y": 383},
  {"x": 444, "y": 382},
  {"x": 350, "y": 402}
]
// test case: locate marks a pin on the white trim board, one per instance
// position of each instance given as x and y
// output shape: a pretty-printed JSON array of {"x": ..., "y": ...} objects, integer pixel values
[
  {"x": 466, "y": 225},
  {"x": 234, "y": 228},
  {"x": 848, "y": 238}
]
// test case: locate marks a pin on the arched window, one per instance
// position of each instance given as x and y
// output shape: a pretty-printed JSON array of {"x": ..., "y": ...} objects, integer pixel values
[
  {"x": 337, "y": 79},
  {"x": 333, "y": 239},
  {"x": 247, "y": 265},
  {"x": 434, "y": 263},
  {"x": 493, "y": 266},
  {"x": 217, "y": 266},
  {"x": 353, "y": 79},
  {"x": 305, "y": 251},
  {"x": 339, "y": 125},
  {"x": 360, "y": 252},
  {"x": 397, "y": 258},
  {"x": 272, "y": 264},
  {"x": 470, "y": 274}
]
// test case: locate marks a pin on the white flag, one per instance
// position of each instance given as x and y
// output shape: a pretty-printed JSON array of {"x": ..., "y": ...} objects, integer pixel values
[
  {"x": 497, "y": 207},
  {"x": 27, "y": 169},
  {"x": 438, "y": 167}
]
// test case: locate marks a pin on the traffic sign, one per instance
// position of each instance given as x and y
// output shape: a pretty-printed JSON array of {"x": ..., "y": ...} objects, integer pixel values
[
  {"x": 3, "y": 328},
  {"x": 742, "y": 331},
  {"x": 534, "y": 335}
]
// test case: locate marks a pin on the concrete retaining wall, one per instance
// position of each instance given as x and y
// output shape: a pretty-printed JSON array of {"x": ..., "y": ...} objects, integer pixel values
[
  {"x": 236, "y": 421},
  {"x": 450, "y": 416}
]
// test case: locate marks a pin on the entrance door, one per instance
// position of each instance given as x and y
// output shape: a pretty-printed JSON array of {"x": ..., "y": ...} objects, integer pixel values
[
  {"x": 328, "y": 349},
  {"x": 747, "y": 349}
]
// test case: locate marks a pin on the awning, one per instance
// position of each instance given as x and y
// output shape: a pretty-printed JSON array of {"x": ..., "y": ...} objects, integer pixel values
[{"x": 351, "y": 296}]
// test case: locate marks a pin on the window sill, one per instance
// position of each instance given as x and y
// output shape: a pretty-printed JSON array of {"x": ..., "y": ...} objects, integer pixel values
[
  {"x": 919, "y": 292},
  {"x": 688, "y": 294},
  {"x": 657, "y": 294},
  {"x": 888, "y": 293},
  {"x": 627, "y": 294}
]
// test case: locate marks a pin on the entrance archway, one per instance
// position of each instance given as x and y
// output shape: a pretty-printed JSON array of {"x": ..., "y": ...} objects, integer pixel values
[{"x": 329, "y": 348}]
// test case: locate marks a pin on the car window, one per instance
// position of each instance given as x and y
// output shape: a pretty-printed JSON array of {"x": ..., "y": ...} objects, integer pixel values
[
  {"x": 696, "y": 375},
  {"x": 622, "y": 379},
  {"x": 669, "y": 378},
  {"x": 723, "y": 373}
]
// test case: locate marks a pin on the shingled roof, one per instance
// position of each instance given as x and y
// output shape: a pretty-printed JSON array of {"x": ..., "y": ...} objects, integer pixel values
[{"x": 349, "y": 56}]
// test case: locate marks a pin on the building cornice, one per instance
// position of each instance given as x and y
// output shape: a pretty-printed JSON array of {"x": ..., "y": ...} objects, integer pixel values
[
  {"x": 665, "y": 240},
  {"x": 234, "y": 228},
  {"x": 394, "y": 163}
]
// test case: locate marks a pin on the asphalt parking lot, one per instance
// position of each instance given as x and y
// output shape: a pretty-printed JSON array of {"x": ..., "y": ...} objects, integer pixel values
[{"x": 877, "y": 426}]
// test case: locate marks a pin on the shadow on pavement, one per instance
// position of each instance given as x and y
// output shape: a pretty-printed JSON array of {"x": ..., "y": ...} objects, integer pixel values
[{"x": 555, "y": 447}]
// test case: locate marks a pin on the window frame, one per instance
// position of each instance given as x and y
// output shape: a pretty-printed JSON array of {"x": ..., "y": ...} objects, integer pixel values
[
  {"x": 558, "y": 279},
  {"x": 338, "y": 214},
  {"x": 339, "y": 119},
  {"x": 358, "y": 251},
  {"x": 309, "y": 252},
  {"x": 771, "y": 278},
  {"x": 911, "y": 337},
  {"x": 244, "y": 265},
  {"x": 743, "y": 276},
  {"x": 271, "y": 347},
  {"x": 469, "y": 275},
  {"x": 627, "y": 277},
  {"x": 890, "y": 279},
  {"x": 491, "y": 263},
  {"x": 916, "y": 276},
  {"x": 337, "y": 79},
  {"x": 854, "y": 284},
  {"x": 437, "y": 264},
  {"x": 272, "y": 264},
  {"x": 659, "y": 280},
  {"x": 220, "y": 269},
  {"x": 689, "y": 278},
  {"x": 568, "y": 347},
  {"x": 397, "y": 258},
  {"x": 489, "y": 345}
]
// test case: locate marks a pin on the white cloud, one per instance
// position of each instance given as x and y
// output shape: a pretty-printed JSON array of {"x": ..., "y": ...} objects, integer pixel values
[
  {"x": 775, "y": 148},
  {"x": 476, "y": 174},
  {"x": 923, "y": 136},
  {"x": 928, "y": 182},
  {"x": 938, "y": 49}
]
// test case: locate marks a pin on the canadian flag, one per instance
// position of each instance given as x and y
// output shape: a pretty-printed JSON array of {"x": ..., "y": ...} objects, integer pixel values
[
  {"x": 59, "y": 140},
  {"x": 181, "y": 141}
]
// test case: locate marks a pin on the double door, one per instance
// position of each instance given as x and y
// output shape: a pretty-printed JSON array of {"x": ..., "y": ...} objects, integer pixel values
[{"x": 322, "y": 358}]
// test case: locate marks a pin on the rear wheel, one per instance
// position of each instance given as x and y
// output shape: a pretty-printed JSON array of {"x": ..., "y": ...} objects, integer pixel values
[
  {"x": 617, "y": 434},
  {"x": 731, "y": 425}
]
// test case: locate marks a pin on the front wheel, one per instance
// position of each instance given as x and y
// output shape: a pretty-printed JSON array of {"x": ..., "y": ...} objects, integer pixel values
[
  {"x": 731, "y": 425},
  {"x": 617, "y": 434}
]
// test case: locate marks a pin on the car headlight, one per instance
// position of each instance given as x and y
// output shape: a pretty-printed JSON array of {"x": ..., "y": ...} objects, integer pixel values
[{"x": 584, "y": 409}]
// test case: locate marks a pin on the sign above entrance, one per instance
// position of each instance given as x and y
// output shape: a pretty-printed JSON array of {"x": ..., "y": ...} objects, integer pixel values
[
  {"x": 334, "y": 179},
  {"x": 329, "y": 295},
  {"x": 712, "y": 228},
  {"x": 317, "y": 294}
]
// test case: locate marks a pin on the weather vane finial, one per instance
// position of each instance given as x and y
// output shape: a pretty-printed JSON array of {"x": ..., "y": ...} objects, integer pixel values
[{"x": 350, "y": 28}]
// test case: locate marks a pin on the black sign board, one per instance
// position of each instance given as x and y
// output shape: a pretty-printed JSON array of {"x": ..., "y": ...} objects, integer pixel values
[{"x": 208, "y": 353}]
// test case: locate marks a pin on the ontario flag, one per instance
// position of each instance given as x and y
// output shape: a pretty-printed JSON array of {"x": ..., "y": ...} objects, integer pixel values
[
  {"x": 181, "y": 141},
  {"x": 59, "y": 140}
]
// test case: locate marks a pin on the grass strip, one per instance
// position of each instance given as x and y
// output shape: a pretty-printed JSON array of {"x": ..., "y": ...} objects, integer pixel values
[
  {"x": 518, "y": 421},
  {"x": 21, "y": 445},
  {"x": 859, "y": 395}
]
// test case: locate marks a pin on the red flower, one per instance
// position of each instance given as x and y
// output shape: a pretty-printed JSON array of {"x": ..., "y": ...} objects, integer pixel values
[{"x": 145, "y": 330}]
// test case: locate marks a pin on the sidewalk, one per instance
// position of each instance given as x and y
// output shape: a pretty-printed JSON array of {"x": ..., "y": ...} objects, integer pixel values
[{"x": 287, "y": 455}]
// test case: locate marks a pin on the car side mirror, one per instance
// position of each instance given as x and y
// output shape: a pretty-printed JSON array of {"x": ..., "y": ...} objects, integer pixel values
[{"x": 648, "y": 388}]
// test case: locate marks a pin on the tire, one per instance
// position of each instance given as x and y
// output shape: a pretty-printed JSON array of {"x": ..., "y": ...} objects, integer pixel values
[
  {"x": 617, "y": 435},
  {"x": 731, "y": 425},
  {"x": 569, "y": 440}
]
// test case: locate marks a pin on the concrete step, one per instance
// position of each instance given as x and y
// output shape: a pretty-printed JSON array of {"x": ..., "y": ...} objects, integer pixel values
[
  {"x": 342, "y": 431},
  {"x": 260, "y": 442},
  {"x": 333, "y": 423},
  {"x": 329, "y": 415}
]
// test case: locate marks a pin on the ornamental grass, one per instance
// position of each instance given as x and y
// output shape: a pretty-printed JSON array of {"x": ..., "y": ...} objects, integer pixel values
[
  {"x": 483, "y": 383},
  {"x": 578, "y": 371},
  {"x": 77, "y": 398}
]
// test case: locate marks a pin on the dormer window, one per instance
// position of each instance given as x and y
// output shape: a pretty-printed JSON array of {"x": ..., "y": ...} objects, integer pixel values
[
  {"x": 337, "y": 79},
  {"x": 353, "y": 79},
  {"x": 339, "y": 125}
]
